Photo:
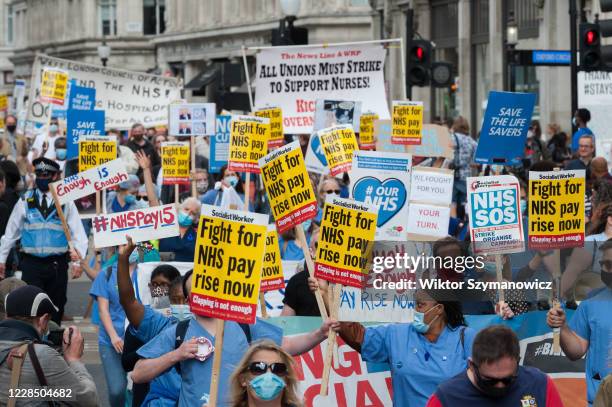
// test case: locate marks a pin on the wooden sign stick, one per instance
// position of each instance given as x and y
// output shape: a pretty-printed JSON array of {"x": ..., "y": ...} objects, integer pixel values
[
  {"x": 556, "y": 301},
  {"x": 499, "y": 267},
  {"x": 331, "y": 339},
  {"x": 301, "y": 237},
  {"x": 194, "y": 191},
  {"x": 216, "y": 368},
  {"x": 176, "y": 194},
  {"x": 60, "y": 214}
]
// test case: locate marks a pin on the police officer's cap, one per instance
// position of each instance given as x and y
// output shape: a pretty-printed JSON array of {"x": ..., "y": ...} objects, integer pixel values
[{"x": 44, "y": 165}]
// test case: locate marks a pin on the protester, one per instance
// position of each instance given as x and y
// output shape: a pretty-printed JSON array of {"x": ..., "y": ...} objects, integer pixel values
[
  {"x": 327, "y": 186},
  {"x": 534, "y": 147},
  {"x": 44, "y": 143},
  {"x": 580, "y": 120},
  {"x": 124, "y": 153},
  {"x": 559, "y": 152},
  {"x": 7, "y": 286},
  {"x": 464, "y": 152},
  {"x": 124, "y": 199},
  {"x": 43, "y": 242},
  {"x": 590, "y": 329},
  {"x": 599, "y": 169},
  {"x": 229, "y": 179},
  {"x": 586, "y": 152},
  {"x": 157, "y": 142},
  {"x": 60, "y": 152},
  {"x": 290, "y": 248},
  {"x": 299, "y": 299},
  {"x": 28, "y": 311},
  {"x": 265, "y": 377},
  {"x": 138, "y": 142},
  {"x": 494, "y": 377},
  {"x": 202, "y": 182},
  {"x": 183, "y": 245},
  {"x": 11, "y": 143}
]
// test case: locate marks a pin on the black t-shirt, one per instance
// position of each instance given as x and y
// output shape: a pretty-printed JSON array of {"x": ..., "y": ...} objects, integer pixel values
[{"x": 299, "y": 297}]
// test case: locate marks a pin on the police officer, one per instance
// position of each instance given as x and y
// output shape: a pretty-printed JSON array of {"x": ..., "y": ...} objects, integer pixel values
[{"x": 45, "y": 251}]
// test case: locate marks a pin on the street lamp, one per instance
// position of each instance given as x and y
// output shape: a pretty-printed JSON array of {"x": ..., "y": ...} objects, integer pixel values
[
  {"x": 511, "y": 31},
  {"x": 511, "y": 41},
  {"x": 290, "y": 9},
  {"x": 104, "y": 52}
]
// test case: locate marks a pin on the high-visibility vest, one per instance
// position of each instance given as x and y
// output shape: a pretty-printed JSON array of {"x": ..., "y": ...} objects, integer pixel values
[{"x": 42, "y": 237}]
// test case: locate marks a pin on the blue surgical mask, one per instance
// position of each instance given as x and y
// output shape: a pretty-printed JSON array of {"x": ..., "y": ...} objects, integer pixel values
[
  {"x": 306, "y": 225},
  {"x": 268, "y": 386},
  {"x": 232, "y": 180},
  {"x": 53, "y": 128},
  {"x": 134, "y": 257},
  {"x": 130, "y": 199},
  {"x": 419, "y": 321},
  {"x": 523, "y": 206},
  {"x": 180, "y": 311},
  {"x": 490, "y": 268},
  {"x": 60, "y": 154},
  {"x": 184, "y": 219}
]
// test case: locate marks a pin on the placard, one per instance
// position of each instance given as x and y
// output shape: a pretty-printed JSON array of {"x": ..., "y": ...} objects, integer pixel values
[
  {"x": 315, "y": 157},
  {"x": 292, "y": 199},
  {"x": 82, "y": 123},
  {"x": 435, "y": 142},
  {"x": 219, "y": 145},
  {"x": 81, "y": 98},
  {"x": 275, "y": 114},
  {"x": 338, "y": 144},
  {"x": 272, "y": 271},
  {"x": 407, "y": 121},
  {"x": 140, "y": 224},
  {"x": 96, "y": 150},
  {"x": 175, "y": 162},
  {"x": 330, "y": 113},
  {"x": 248, "y": 143},
  {"x": 366, "y": 131},
  {"x": 53, "y": 86},
  {"x": 433, "y": 185},
  {"x": 191, "y": 119},
  {"x": 382, "y": 135},
  {"x": 3, "y": 102},
  {"x": 226, "y": 281},
  {"x": 427, "y": 221}
]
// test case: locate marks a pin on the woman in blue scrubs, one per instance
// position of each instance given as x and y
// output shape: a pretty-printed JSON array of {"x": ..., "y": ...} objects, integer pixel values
[{"x": 183, "y": 245}]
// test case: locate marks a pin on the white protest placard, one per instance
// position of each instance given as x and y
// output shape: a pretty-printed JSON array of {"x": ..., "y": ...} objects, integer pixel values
[
  {"x": 428, "y": 220},
  {"x": 140, "y": 224},
  {"x": 294, "y": 78},
  {"x": 127, "y": 97},
  {"x": 594, "y": 95},
  {"x": 192, "y": 119},
  {"x": 315, "y": 157},
  {"x": 433, "y": 185},
  {"x": 88, "y": 182},
  {"x": 330, "y": 113}
]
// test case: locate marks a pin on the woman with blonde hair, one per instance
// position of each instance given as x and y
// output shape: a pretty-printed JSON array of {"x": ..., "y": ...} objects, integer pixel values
[{"x": 265, "y": 376}]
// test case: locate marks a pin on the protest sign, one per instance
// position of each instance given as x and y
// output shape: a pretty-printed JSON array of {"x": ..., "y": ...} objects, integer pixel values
[
  {"x": 433, "y": 185},
  {"x": 292, "y": 199},
  {"x": 219, "y": 145},
  {"x": 96, "y": 150},
  {"x": 366, "y": 131},
  {"x": 175, "y": 162},
  {"x": 248, "y": 143},
  {"x": 191, "y": 119},
  {"x": 81, "y": 98},
  {"x": 274, "y": 299},
  {"x": 382, "y": 135},
  {"x": 330, "y": 113},
  {"x": 53, "y": 86},
  {"x": 226, "y": 281},
  {"x": 275, "y": 114},
  {"x": 3, "y": 102},
  {"x": 82, "y": 123},
  {"x": 593, "y": 95},
  {"x": 496, "y": 225},
  {"x": 272, "y": 270},
  {"x": 18, "y": 97},
  {"x": 407, "y": 121},
  {"x": 426, "y": 221},
  {"x": 347, "y": 232},
  {"x": 338, "y": 144},
  {"x": 294, "y": 78},
  {"x": 79, "y": 185},
  {"x": 556, "y": 209},
  {"x": 140, "y": 224},
  {"x": 504, "y": 130},
  {"x": 435, "y": 142},
  {"x": 383, "y": 179},
  {"x": 315, "y": 157},
  {"x": 128, "y": 97}
]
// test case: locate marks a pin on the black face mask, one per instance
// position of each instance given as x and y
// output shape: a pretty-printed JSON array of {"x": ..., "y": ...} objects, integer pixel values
[
  {"x": 606, "y": 278},
  {"x": 11, "y": 128},
  {"x": 488, "y": 386}
]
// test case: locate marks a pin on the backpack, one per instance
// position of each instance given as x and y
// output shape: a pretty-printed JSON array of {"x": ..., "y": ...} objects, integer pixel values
[{"x": 181, "y": 330}]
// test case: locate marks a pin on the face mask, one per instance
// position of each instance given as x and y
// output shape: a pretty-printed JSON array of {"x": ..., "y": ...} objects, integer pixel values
[
  {"x": 232, "y": 180},
  {"x": 418, "y": 323},
  {"x": 130, "y": 199},
  {"x": 134, "y": 257},
  {"x": 606, "y": 278},
  {"x": 523, "y": 206},
  {"x": 490, "y": 268},
  {"x": 267, "y": 386},
  {"x": 53, "y": 128},
  {"x": 332, "y": 195},
  {"x": 161, "y": 302},
  {"x": 60, "y": 154},
  {"x": 529, "y": 134},
  {"x": 184, "y": 219},
  {"x": 306, "y": 225},
  {"x": 180, "y": 311},
  {"x": 201, "y": 186},
  {"x": 43, "y": 184},
  {"x": 11, "y": 128},
  {"x": 574, "y": 122}
]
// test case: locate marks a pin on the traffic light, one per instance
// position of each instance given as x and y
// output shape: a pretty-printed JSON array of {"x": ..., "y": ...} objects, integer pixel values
[
  {"x": 441, "y": 74},
  {"x": 590, "y": 47},
  {"x": 419, "y": 63}
]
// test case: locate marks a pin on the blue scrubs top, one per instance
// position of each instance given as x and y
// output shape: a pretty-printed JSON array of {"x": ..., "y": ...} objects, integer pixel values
[
  {"x": 417, "y": 365},
  {"x": 183, "y": 247},
  {"x": 108, "y": 289},
  {"x": 195, "y": 386},
  {"x": 592, "y": 321}
]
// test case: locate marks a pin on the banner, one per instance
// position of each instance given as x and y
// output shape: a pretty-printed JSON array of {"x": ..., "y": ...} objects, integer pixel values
[
  {"x": 366, "y": 131},
  {"x": 504, "y": 129},
  {"x": 556, "y": 209},
  {"x": 294, "y": 78},
  {"x": 315, "y": 157},
  {"x": 433, "y": 185},
  {"x": 496, "y": 224},
  {"x": 128, "y": 97},
  {"x": 292, "y": 199},
  {"x": 175, "y": 162},
  {"x": 275, "y": 114},
  {"x": 272, "y": 270},
  {"x": 88, "y": 182},
  {"x": 4, "y": 102},
  {"x": 191, "y": 119},
  {"x": 330, "y": 113},
  {"x": 226, "y": 281},
  {"x": 219, "y": 145},
  {"x": 347, "y": 231},
  {"x": 53, "y": 86},
  {"x": 140, "y": 224},
  {"x": 407, "y": 119},
  {"x": 338, "y": 144},
  {"x": 595, "y": 95},
  {"x": 248, "y": 143},
  {"x": 82, "y": 123},
  {"x": 81, "y": 98},
  {"x": 96, "y": 150},
  {"x": 383, "y": 179}
]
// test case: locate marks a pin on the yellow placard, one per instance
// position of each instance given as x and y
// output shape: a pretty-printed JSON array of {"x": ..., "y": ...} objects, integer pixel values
[
  {"x": 407, "y": 122},
  {"x": 338, "y": 143},
  {"x": 366, "y": 131},
  {"x": 556, "y": 209},
  {"x": 292, "y": 199},
  {"x": 175, "y": 162},
  {"x": 227, "y": 265},
  {"x": 53, "y": 87},
  {"x": 277, "y": 135},
  {"x": 2, "y": 124},
  {"x": 3, "y": 102},
  {"x": 95, "y": 151},
  {"x": 272, "y": 270},
  {"x": 345, "y": 241},
  {"x": 248, "y": 142}
]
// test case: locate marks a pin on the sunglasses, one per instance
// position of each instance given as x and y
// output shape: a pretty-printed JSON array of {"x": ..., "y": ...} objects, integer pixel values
[
  {"x": 259, "y": 368},
  {"x": 492, "y": 381},
  {"x": 606, "y": 264},
  {"x": 332, "y": 191}
]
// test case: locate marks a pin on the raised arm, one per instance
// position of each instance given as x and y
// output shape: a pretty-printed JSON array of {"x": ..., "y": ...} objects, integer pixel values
[
  {"x": 145, "y": 163},
  {"x": 134, "y": 310}
]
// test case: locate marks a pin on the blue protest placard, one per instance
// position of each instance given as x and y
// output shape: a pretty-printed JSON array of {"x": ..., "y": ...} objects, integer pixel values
[
  {"x": 82, "y": 98},
  {"x": 82, "y": 123},
  {"x": 219, "y": 145},
  {"x": 504, "y": 128}
]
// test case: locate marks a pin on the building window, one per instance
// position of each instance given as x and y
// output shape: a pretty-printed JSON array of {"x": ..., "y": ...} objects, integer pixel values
[
  {"x": 154, "y": 16},
  {"x": 107, "y": 12},
  {"x": 444, "y": 23},
  {"x": 526, "y": 16},
  {"x": 10, "y": 18},
  {"x": 359, "y": 3}
]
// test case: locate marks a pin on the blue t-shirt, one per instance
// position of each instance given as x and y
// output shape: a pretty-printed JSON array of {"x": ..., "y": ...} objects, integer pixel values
[
  {"x": 106, "y": 287},
  {"x": 592, "y": 321},
  {"x": 195, "y": 386},
  {"x": 183, "y": 247},
  {"x": 417, "y": 365},
  {"x": 576, "y": 137}
]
